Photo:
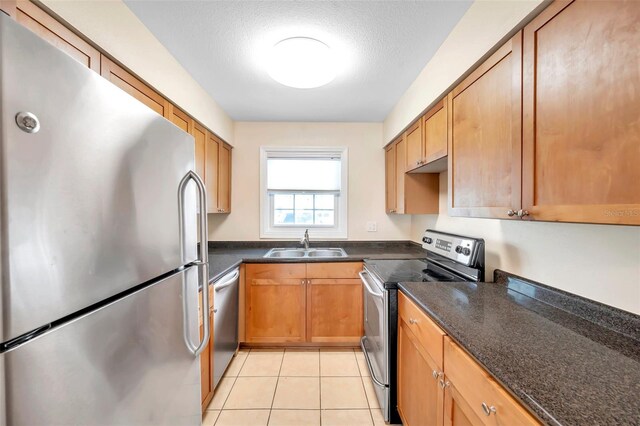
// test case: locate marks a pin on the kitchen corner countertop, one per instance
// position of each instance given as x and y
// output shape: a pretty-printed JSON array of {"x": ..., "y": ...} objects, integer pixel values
[
  {"x": 572, "y": 361},
  {"x": 226, "y": 255}
]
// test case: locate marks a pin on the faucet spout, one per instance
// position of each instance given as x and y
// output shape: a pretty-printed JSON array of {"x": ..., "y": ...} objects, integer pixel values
[{"x": 305, "y": 239}]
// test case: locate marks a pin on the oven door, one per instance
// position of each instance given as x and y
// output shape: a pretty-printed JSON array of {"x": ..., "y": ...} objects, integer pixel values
[{"x": 375, "y": 343}]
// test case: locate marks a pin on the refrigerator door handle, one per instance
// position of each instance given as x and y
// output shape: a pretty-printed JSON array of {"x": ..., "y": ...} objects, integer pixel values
[{"x": 202, "y": 263}]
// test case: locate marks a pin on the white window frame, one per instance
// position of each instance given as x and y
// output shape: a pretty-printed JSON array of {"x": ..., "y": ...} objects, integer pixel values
[{"x": 339, "y": 230}]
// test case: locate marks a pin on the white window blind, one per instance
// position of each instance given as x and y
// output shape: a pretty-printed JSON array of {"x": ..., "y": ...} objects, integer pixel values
[{"x": 304, "y": 174}]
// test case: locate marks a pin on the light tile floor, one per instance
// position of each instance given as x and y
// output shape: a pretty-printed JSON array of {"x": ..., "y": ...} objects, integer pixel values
[{"x": 295, "y": 387}]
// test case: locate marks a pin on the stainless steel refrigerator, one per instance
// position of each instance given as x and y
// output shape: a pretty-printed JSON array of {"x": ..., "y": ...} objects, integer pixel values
[{"x": 99, "y": 262}]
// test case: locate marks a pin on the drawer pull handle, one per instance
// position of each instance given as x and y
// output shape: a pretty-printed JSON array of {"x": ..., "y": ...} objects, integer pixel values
[
  {"x": 488, "y": 409},
  {"x": 413, "y": 321},
  {"x": 444, "y": 384}
]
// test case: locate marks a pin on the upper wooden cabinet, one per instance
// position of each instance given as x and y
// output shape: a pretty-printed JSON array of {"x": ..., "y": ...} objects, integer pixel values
[
  {"x": 434, "y": 130},
  {"x": 390, "y": 178},
  {"x": 224, "y": 179},
  {"x": 408, "y": 193},
  {"x": 218, "y": 175},
  {"x": 200, "y": 136},
  {"x": 133, "y": 86},
  {"x": 581, "y": 100},
  {"x": 485, "y": 137},
  {"x": 414, "y": 146},
  {"x": 426, "y": 141},
  {"x": 8, "y": 7},
  {"x": 48, "y": 28}
]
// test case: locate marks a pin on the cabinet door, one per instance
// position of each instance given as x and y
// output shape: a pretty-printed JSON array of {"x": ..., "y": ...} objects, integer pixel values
[
  {"x": 435, "y": 132},
  {"x": 485, "y": 137},
  {"x": 420, "y": 399},
  {"x": 390, "y": 178},
  {"x": 334, "y": 310},
  {"x": 401, "y": 168},
  {"x": 212, "y": 164},
  {"x": 413, "y": 140},
  {"x": 200, "y": 135},
  {"x": 275, "y": 303},
  {"x": 8, "y": 7},
  {"x": 133, "y": 86},
  {"x": 224, "y": 179},
  {"x": 206, "y": 358},
  {"x": 581, "y": 102},
  {"x": 48, "y": 28},
  {"x": 457, "y": 411}
]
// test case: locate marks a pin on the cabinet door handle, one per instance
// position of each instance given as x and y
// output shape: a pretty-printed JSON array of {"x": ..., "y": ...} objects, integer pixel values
[
  {"x": 511, "y": 213},
  {"x": 436, "y": 375},
  {"x": 523, "y": 213},
  {"x": 488, "y": 409},
  {"x": 444, "y": 384},
  {"x": 413, "y": 321}
]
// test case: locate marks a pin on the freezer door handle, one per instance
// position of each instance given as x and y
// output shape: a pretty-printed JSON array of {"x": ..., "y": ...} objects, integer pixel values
[{"x": 202, "y": 263}]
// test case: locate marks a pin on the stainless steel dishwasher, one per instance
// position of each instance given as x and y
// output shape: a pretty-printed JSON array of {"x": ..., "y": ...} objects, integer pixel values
[{"x": 225, "y": 322}]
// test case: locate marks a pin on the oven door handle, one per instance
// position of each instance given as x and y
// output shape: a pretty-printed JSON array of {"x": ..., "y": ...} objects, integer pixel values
[
  {"x": 368, "y": 287},
  {"x": 374, "y": 379}
]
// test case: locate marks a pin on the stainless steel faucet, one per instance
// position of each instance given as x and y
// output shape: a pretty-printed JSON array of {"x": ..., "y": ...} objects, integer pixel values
[{"x": 305, "y": 239}]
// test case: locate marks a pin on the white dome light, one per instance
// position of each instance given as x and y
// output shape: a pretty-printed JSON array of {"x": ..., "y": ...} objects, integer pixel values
[{"x": 301, "y": 62}]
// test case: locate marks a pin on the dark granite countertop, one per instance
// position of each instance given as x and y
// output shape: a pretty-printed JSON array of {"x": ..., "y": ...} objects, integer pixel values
[
  {"x": 572, "y": 361},
  {"x": 226, "y": 255}
]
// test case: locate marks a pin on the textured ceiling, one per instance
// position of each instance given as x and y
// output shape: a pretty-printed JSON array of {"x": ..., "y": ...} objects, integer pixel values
[{"x": 382, "y": 46}]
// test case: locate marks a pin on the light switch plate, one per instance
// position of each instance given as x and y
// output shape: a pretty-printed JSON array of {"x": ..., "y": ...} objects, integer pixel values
[{"x": 372, "y": 226}]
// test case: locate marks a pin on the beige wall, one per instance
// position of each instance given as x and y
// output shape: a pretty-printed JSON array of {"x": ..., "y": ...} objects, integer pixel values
[
  {"x": 366, "y": 177},
  {"x": 600, "y": 262},
  {"x": 482, "y": 27},
  {"x": 114, "y": 27}
]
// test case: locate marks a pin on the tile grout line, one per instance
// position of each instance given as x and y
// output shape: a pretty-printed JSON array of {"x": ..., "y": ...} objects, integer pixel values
[
  {"x": 276, "y": 389},
  {"x": 235, "y": 379}
]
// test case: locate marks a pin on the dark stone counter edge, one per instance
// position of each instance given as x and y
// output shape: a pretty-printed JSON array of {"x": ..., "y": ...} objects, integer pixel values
[
  {"x": 410, "y": 247},
  {"x": 608, "y": 317},
  {"x": 537, "y": 413}
]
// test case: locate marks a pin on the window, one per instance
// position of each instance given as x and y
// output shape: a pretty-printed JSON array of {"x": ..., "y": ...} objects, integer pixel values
[{"x": 303, "y": 188}]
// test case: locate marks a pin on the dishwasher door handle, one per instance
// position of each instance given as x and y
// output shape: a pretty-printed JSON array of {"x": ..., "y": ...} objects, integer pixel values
[{"x": 226, "y": 281}]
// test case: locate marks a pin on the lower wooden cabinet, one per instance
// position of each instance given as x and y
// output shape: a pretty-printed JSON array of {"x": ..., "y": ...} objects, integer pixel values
[
  {"x": 206, "y": 357},
  {"x": 420, "y": 398},
  {"x": 461, "y": 393},
  {"x": 303, "y": 303}
]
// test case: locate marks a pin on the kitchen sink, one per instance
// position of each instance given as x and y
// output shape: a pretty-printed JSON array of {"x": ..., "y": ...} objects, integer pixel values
[{"x": 288, "y": 253}]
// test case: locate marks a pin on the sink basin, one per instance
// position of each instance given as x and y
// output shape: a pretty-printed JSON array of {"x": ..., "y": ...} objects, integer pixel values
[
  {"x": 293, "y": 253},
  {"x": 337, "y": 252},
  {"x": 285, "y": 253}
]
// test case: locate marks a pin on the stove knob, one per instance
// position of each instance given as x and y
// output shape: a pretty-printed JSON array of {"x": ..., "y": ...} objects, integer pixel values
[
  {"x": 427, "y": 240},
  {"x": 458, "y": 249},
  {"x": 466, "y": 251}
]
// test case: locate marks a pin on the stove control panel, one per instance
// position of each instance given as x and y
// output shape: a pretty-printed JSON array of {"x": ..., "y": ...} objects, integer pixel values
[{"x": 455, "y": 247}]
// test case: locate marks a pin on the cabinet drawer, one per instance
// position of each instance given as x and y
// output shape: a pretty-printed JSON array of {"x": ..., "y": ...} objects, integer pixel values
[
  {"x": 278, "y": 271},
  {"x": 477, "y": 387},
  {"x": 429, "y": 335},
  {"x": 334, "y": 270}
]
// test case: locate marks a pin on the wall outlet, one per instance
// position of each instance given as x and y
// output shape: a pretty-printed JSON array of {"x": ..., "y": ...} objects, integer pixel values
[{"x": 372, "y": 227}]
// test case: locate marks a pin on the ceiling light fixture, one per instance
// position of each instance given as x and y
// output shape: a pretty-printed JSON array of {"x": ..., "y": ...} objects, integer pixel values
[{"x": 302, "y": 62}]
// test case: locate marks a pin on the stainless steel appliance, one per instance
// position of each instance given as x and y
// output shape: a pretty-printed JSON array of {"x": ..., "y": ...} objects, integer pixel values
[
  {"x": 100, "y": 264},
  {"x": 225, "y": 322},
  {"x": 448, "y": 258}
]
